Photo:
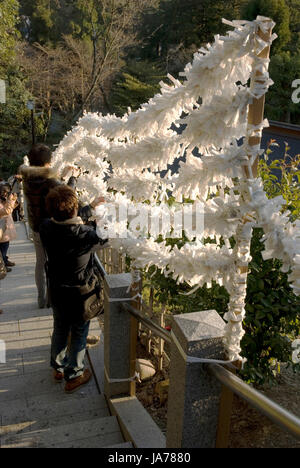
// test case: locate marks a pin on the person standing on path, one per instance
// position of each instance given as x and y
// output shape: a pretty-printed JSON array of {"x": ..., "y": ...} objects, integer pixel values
[
  {"x": 8, "y": 203},
  {"x": 69, "y": 245},
  {"x": 38, "y": 179},
  {"x": 16, "y": 187}
]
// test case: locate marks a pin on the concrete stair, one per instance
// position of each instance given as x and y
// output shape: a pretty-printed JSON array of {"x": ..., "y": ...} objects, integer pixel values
[
  {"x": 95, "y": 433},
  {"x": 76, "y": 422},
  {"x": 35, "y": 412}
]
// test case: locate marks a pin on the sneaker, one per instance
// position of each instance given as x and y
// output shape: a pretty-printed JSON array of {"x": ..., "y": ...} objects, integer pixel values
[
  {"x": 74, "y": 384},
  {"x": 8, "y": 270},
  {"x": 10, "y": 264},
  {"x": 58, "y": 376}
]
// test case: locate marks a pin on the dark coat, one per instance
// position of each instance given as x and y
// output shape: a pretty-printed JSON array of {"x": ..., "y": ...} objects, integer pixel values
[
  {"x": 37, "y": 182},
  {"x": 70, "y": 261}
]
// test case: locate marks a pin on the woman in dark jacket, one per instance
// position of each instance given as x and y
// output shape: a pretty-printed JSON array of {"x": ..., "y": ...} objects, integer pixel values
[
  {"x": 38, "y": 179},
  {"x": 68, "y": 244}
]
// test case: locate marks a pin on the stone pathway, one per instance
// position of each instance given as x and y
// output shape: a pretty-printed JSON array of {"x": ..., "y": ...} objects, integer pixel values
[{"x": 34, "y": 410}]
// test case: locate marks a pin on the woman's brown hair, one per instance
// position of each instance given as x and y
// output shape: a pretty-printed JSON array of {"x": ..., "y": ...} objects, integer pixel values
[{"x": 62, "y": 203}]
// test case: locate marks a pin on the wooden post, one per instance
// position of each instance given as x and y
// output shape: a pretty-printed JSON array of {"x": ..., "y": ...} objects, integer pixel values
[
  {"x": 225, "y": 411},
  {"x": 136, "y": 289},
  {"x": 149, "y": 339},
  {"x": 256, "y": 109},
  {"x": 255, "y": 118},
  {"x": 256, "y": 115},
  {"x": 161, "y": 344}
]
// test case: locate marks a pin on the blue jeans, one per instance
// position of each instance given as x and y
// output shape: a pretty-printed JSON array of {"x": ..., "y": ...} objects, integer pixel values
[
  {"x": 69, "y": 360},
  {"x": 4, "y": 246}
]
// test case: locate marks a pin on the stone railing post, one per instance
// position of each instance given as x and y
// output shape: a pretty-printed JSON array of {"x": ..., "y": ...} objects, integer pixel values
[
  {"x": 117, "y": 336},
  {"x": 194, "y": 394}
]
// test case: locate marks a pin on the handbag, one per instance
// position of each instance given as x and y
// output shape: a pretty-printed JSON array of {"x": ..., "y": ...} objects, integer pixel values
[
  {"x": 92, "y": 299},
  {"x": 89, "y": 297}
]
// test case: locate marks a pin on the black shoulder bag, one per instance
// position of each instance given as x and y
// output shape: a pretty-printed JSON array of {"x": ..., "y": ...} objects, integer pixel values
[{"x": 92, "y": 299}]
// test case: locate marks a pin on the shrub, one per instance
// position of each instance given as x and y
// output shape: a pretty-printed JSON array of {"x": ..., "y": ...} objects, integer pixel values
[{"x": 272, "y": 321}]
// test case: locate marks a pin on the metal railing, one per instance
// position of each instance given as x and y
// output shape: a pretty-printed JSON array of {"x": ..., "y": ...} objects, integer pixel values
[
  {"x": 278, "y": 415},
  {"x": 99, "y": 265},
  {"x": 156, "y": 329},
  {"x": 281, "y": 417}
]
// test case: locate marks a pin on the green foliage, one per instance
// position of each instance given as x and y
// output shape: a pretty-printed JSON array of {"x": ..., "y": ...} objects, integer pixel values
[
  {"x": 86, "y": 19},
  {"x": 135, "y": 85},
  {"x": 175, "y": 299},
  {"x": 42, "y": 20},
  {"x": 294, "y": 7},
  {"x": 15, "y": 122},
  {"x": 40, "y": 14},
  {"x": 8, "y": 31},
  {"x": 285, "y": 55},
  {"x": 271, "y": 317},
  {"x": 48, "y": 21},
  {"x": 279, "y": 11},
  {"x": 284, "y": 69},
  {"x": 286, "y": 182},
  {"x": 14, "y": 116},
  {"x": 169, "y": 32},
  {"x": 178, "y": 25}
]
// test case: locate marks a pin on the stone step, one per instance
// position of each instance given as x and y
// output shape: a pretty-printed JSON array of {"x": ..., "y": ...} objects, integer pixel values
[
  {"x": 94, "y": 442},
  {"x": 40, "y": 408},
  {"x": 137, "y": 423},
  {"x": 35, "y": 411},
  {"x": 41, "y": 383},
  {"x": 95, "y": 433},
  {"x": 27, "y": 425}
]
